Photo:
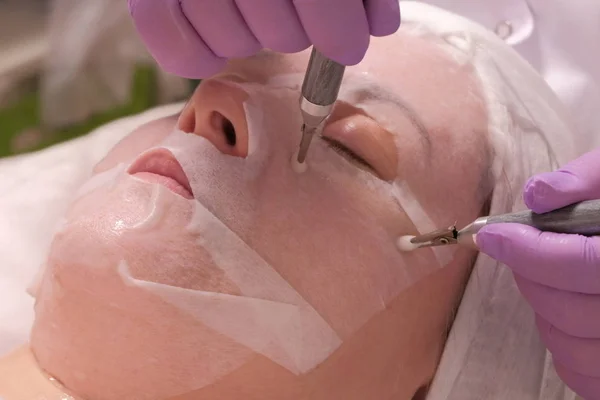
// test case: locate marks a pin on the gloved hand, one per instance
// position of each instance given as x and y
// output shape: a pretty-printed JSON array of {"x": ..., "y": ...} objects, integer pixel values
[
  {"x": 193, "y": 38},
  {"x": 558, "y": 274}
]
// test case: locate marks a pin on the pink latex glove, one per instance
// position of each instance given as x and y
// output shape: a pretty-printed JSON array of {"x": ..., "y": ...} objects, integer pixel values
[
  {"x": 193, "y": 38},
  {"x": 558, "y": 274}
]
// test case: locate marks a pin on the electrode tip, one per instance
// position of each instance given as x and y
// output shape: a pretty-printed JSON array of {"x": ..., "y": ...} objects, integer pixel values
[{"x": 298, "y": 167}]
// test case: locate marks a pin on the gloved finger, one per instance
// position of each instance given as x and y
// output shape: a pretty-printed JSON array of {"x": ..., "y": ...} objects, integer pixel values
[
  {"x": 565, "y": 262},
  {"x": 567, "y": 311},
  {"x": 275, "y": 24},
  {"x": 223, "y": 28},
  {"x": 171, "y": 40},
  {"x": 383, "y": 16},
  {"x": 577, "y": 181},
  {"x": 585, "y": 386},
  {"x": 577, "y": 354},
  {"x": 337, "y": 28}
]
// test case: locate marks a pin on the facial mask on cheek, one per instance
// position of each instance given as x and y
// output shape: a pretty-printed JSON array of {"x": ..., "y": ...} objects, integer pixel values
[
  {"x": 276, "y": 315},
  {"x": 269, "y": 316},
  {"x": 103, "y": 179}
]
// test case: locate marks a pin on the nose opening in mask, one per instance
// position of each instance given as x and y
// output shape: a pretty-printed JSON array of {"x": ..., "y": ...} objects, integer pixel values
[
  {"x": 216, "y": 113},
  {"x": 218, "y": 124}
]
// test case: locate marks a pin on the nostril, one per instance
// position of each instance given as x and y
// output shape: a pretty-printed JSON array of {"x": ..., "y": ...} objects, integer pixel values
[
  {"x": 226, "y": 126},
  {"x": 229, "y": 131}
]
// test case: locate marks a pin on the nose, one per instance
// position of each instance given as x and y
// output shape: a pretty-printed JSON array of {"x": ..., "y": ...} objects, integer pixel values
[{"x": 216, "y": 112}]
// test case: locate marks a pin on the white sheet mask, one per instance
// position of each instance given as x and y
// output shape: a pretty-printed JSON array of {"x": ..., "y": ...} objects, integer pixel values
[
  {"x": 105, "y": 179},
  {"x": 283, "y": 326},
  {"x": 270, "y": 317},
  {"x": 155, "y": 211},
  {"x": 281, "y": 309},
  {"x": 34, "y": 285},
  {"x": 102, "y": 179}
]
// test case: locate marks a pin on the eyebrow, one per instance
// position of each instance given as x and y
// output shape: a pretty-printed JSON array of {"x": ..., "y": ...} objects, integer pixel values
[{"x": 374, "y": 91}]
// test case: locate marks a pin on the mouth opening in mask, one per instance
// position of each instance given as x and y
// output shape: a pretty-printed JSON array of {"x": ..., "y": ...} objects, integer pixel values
[{"x": 160, "y": 166}]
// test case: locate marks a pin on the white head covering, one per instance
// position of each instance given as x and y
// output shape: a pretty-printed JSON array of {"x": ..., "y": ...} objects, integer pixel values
[{"x": 494, "y": 351}]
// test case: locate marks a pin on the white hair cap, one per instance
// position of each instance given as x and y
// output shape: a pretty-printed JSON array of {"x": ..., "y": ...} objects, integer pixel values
[{"x": 494, "y": 351}]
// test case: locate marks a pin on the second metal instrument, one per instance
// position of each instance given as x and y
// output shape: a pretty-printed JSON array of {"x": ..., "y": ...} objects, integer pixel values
[
  {"x": 319, "y": 92},
  {"x": 580, "y": 218}
]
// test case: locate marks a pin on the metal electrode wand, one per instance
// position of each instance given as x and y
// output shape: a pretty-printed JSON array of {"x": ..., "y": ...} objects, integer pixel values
[
  {"x": 319, "y": 92},
  {"x": 579, "y": 219}
]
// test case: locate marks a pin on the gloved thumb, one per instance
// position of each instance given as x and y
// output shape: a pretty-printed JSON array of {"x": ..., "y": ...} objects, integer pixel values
[{"x": 577, "y": 181}]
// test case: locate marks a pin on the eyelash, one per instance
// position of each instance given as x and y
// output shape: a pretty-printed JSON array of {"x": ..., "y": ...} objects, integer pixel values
[{"x": 346, "y": 152}]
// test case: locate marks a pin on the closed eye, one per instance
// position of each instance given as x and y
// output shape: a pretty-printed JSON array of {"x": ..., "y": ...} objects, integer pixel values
[{"x": 347, "y": 153}]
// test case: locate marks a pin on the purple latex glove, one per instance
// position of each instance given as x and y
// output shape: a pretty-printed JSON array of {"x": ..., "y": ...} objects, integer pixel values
[
  {"x": 558, "y": 274},
  {"x": 193, "y": 38}
]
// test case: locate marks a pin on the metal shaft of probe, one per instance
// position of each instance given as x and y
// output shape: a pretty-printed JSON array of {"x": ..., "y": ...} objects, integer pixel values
[
  {"x": 304, "y": 143},
  {"x": 319, "y": 92},
  {"x": 579, "y": 218}
]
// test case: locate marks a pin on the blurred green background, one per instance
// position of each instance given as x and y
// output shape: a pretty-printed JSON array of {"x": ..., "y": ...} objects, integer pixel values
[
  {"x": 20, "y": 119},
  {"x": 36, "y": 36}
]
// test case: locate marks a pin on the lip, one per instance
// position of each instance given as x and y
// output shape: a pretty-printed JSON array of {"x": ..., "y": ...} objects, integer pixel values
[{"x": 160, "y": 166}]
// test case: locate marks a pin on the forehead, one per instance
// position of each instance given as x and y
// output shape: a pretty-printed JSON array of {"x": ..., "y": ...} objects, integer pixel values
[{"x": 420, "y": 70}]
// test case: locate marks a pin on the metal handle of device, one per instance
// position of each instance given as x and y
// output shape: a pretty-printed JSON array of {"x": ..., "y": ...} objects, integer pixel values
[
  {"x": 580, "y": 218},
  {"x": 323, "y": 80}
]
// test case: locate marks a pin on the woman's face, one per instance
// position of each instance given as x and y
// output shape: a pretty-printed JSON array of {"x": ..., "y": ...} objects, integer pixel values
[{"x": 181, "y": 237}]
